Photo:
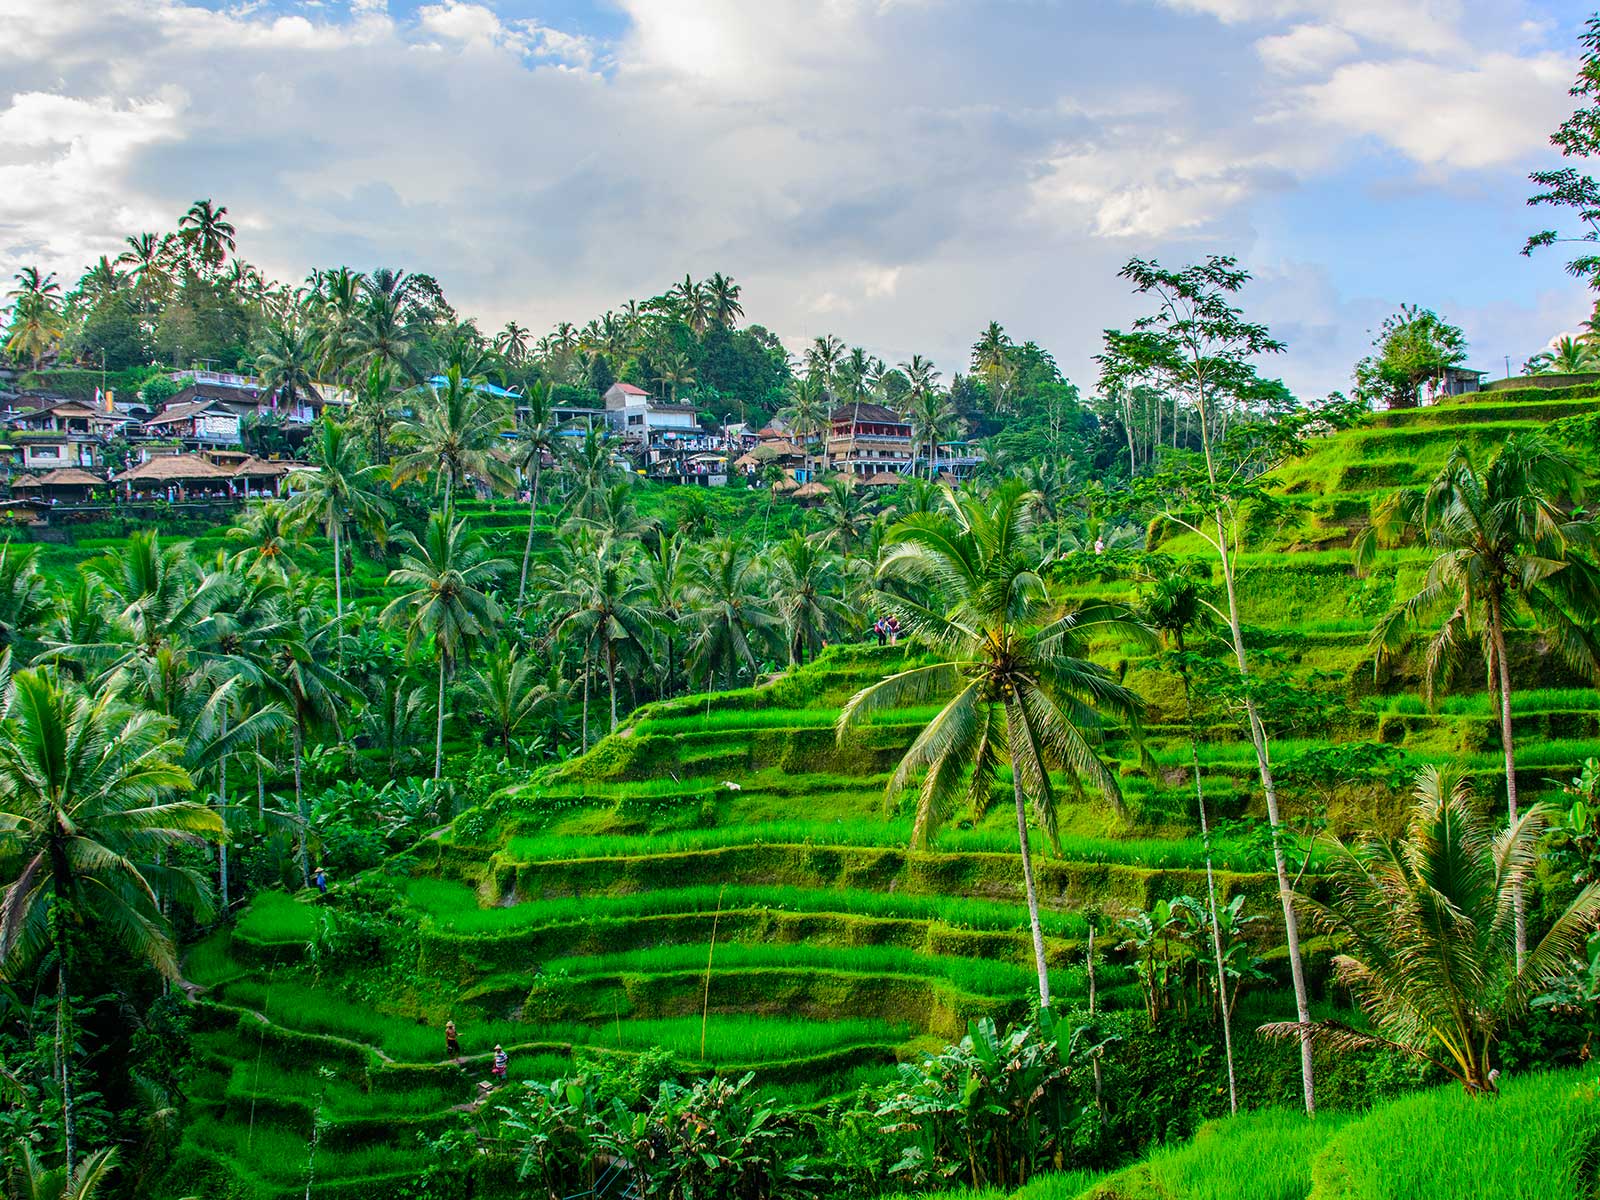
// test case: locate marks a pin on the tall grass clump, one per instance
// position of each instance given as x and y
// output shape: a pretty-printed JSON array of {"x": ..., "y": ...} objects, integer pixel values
[{"x": 1539, "y": 1139}]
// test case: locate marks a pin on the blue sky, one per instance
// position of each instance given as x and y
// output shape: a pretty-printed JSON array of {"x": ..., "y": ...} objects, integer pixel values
[{"x": 897, "y": 172}]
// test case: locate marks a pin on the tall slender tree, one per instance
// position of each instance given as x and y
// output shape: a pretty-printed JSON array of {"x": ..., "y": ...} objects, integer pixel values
[
  {"x": 446, "y": 574},
  {"x": 1012, "y": 674},
  {"x": 341, "y": 494}
]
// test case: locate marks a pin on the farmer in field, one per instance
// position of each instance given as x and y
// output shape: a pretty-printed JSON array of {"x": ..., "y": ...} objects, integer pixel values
[
  {"x": 502, "y": 1060},
  {"x": 320, "y": 878},
  {"x": 452, "y": 1045}
]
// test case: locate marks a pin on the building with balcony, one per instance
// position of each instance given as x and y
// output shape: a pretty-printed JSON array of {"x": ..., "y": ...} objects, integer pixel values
[
  {"x": 638, "y": 417},
  {"x": 198, "y": 424},
  {"x": 865, "y": 439}
]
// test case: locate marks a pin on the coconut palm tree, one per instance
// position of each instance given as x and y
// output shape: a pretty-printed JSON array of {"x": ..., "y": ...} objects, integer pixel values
[
  {"x": 844, "y": 514},
  {"x": 931, "y": 416},
  {"x": 806, "y": 414},
  {"x": 1426, "y": 926},
  {"x": 991, "y": 360},
  {"x": 512, "y": 343},
  {"x": 341, "y": 494},
  {"x": 595, "y": 594},
  {"x": 807, "y": 590},
  {"x": 381, "y": 332},
  {"x": 446, "y": 573},
  {"x": 1566, "y": 356},
  {"x": 722, "y": 296},
  {"x": 1174, "y": 607},
  {"x": 1504, "y": 545},
  {"x": 692, "y": 304},
  {"x": 87, "y": 807},
  {"x": 37, "y": 325},
  {"x": 664, "y": 576},
  {"x": 675, "y": 371},
  {"x": 506, "y": 696},
  {"x": 732, "y": 610},
  {"x": 286, "y": 358},
  {"x": 453, "y": 435},
  {"x": 822, "y": 359},
  {"x": 300, "y": 671},
  {"x": 1012, "y": 673},
  {"x": 208, "y": 235},
  {"x": 538, "y": 437}
]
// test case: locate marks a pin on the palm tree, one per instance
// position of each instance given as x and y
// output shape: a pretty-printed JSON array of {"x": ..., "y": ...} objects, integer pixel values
[
  {"x": 731, "y": 608},
  {"x": 380, "y": 332},
  {"x": 286, "y": 359},
  {"x": 1173, "y": 607},
  {"x": 991, "y": 359},
  {"x": 341, "y": 493},
  {"x": 1012, "y": 673},
  {"x": 1566, "y": 356},
  {"x": 86, "y": 807},
  {"x": 676, "y": 371},
  {"x": 822, "y": 359},
  {"x": 447, "y": 573},
  {"x": 806, "y": 414},
  {"x": 1502, "y": 545},
  {"x": 453, "y": 435},
  {"x": 37, "y": 324},
  {"x": 692, "y": 303},
  {"x": 931, "y": 416},
  {"x": 300, "y": 671},
  {"x": 374, "y": 410},
  {"x": 844, "y": 514},
  {"x": 592, "y": 465},
  {"x": 207, "y": 234},
  {"x": 595, "y": 594},
  {"x": 538, "y": 437},
  {"x": 722, "y": 294},
  {"x": 1427, "y": 928},
  {"x": 506, "y": 696},
  {"x": 664, "y": 577},
  {"x": 30, "y": 1179},
  {"x": 512, "y": 343},
  {"x": 807, "y": 587},
  {"x": 25, "y": 600},
  {"x": 338, "y": 295}
]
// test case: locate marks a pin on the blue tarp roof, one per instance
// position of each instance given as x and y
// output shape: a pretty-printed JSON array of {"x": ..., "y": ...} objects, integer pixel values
[{"x": 488, "y": 389}]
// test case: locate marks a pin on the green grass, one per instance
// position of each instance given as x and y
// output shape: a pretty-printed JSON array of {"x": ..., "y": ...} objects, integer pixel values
[
  {"x": 996, "y": 838},
  {"x": 454, "y": 906},
  {"x": 979, "y": 977},
  {"x": 278, "y": 917},
  {"x": 1538, "y": 1140},
  {"x": 1264, "y": 1155},
  {"x": 731, "y": 1037}
]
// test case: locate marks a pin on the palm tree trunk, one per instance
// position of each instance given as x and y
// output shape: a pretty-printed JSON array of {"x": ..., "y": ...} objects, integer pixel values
[
  {"x": 1258, "y": 738},
  {"x": 222, "y": 812},
  {"x": 586, "y": 673},
  {"x": 64, "y": 1039},
  {"x": 1211, "y": 894},
  {"x": 611, "y": 681},
  {"x": 527, "y": 550},
  {"x": 300, "y": 811},
  {"x": 338, "y": 577},
  {"x": 1033, "y": 895},
  {"x": 438, "y": 729},
  {"x": 1503, "y": 681}
]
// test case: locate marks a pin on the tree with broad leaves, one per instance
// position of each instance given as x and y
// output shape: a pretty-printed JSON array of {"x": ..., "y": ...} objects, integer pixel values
[
  {"x": 1567, "y": 188},
  {"x": 1198, "y": 342},
  {"x": 1414, "y": 347}
]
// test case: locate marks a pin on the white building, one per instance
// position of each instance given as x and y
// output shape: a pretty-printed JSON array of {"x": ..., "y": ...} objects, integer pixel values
[{"x": 640, "y": 418}]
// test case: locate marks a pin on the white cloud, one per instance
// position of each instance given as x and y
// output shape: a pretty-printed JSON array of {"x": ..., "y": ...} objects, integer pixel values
[
  {"x": 1495, "y": 110},
  {"x": 1307, "y": 49}
]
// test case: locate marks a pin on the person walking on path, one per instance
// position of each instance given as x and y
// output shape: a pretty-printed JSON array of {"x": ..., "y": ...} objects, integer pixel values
[
  {"x": 452, "y": 1045},
  {"x": 320, "y": 878},
  {"x": 502, "y": 1061}
]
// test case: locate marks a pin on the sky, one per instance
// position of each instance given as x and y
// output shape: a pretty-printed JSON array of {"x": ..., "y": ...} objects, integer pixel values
[{"x": 896, "y": 172}]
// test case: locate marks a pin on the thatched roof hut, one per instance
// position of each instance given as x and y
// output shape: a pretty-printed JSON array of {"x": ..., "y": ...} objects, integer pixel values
[
  {"x": 64, "y": 483},
  {"x": 884, "y": 479},
  {"x": 183, "y": 471}
]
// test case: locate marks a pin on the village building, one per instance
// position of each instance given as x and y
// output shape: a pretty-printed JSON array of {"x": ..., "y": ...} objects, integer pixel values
[
  {"x": 196, "y": 424},
  {"x": 865, "y": 438}
]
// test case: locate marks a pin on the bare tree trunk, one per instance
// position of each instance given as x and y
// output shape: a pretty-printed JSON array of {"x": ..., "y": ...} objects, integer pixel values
[
  {"x": 1291, "y": 922},
  {"x": 338, "y": 578},
  {"x": 64, "y": 1035},
  {"x": 527, "y": 550},
  {"x": 611, "y": 681},
  {"x": 1503, "y": 680},
  {"x": 1211, "y": 897},
  {"x": 438, "y": 730},
  {"x": 222, "y": 812},
  {"x": 1033, "y": 895},
  {"x": 300, "y": 809}
]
